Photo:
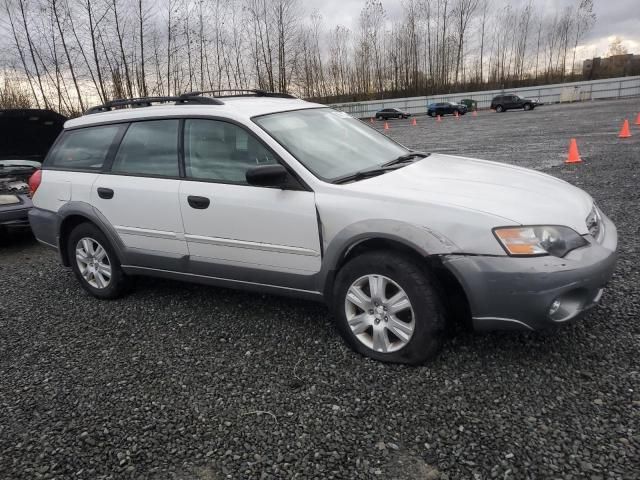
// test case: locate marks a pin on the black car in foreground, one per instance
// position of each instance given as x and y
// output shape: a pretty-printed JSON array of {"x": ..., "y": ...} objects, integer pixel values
[
  {"x": 387, "y": 113},
  {"x": 446, "y": 108},
  {"x": 25, "y": 138},
  {"x": 504, "y": 102}
]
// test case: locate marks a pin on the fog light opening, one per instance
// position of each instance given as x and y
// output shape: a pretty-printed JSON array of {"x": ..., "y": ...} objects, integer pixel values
[
  {"x": 567, "y": 305},
  {"x": 555, "y": 306}
]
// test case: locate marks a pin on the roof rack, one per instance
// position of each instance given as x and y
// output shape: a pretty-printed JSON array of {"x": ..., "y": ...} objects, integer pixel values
[
  {"x": 239, "y": 92},
  {"x": 148, "y": 101}
]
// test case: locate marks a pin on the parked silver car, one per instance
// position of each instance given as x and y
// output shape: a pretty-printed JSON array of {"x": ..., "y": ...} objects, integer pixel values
[{"x": 284, "y": 196}]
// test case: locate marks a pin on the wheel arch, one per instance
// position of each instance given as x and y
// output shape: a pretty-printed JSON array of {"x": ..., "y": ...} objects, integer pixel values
[
  {"x": 75, "y": 213},
  {"x": 449, "y": 288}
]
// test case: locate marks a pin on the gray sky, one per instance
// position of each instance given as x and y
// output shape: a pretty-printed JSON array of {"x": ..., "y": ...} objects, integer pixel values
[{"x": 614, "y": 18}]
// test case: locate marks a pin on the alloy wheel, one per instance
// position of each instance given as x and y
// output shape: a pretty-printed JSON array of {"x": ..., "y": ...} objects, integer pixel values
[
  {"x": 379, "y": 313},
  {"x": 93, "y": 263}
]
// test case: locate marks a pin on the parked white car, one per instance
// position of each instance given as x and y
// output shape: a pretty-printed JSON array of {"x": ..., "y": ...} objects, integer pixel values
[{"x": 275, "y": 194}]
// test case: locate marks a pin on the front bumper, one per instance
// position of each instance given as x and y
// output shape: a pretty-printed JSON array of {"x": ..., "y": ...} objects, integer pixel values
[
  {"x": 16, "y": 215},
  {"x": 509, "y": 293}
]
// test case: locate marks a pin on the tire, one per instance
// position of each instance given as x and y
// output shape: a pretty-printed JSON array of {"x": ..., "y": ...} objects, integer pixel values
[
  {"x": 379, "y": 117},
  {"x": 527, "y": 107},
  {"x": 499, "y": 108},
  {"x": 462, "y": 113},
  {"x": 88, "y": 238},
  {"x": 422, "y": 323}
]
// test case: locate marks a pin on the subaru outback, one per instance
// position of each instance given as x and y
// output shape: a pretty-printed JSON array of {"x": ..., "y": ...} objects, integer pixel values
[{"x": 275, "y": 194}]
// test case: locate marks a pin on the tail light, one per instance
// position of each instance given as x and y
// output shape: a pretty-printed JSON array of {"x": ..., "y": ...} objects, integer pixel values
[{"x": 34, "y": 182}]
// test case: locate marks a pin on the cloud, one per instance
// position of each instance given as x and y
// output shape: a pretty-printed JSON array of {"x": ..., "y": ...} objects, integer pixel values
[{"x": 619, "y": 18}]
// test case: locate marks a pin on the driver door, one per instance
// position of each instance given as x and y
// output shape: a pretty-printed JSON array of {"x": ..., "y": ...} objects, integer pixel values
[{"x": 232, "y": 227}]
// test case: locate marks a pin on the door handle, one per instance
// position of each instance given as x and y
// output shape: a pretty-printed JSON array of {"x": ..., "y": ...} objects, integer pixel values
[
  {"x": 105, "y": 193},
  {"x": 199, "y": 203}
]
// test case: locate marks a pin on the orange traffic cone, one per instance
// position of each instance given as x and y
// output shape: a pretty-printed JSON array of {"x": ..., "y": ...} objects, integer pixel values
[
  {"x": 371, "y": 119},
  {"x": 638, "y": 120},
  {"x": 413, "y": 122},
  {"x": 475, "y": 113},
  {"x": 625, "y": 133},
  {"x": 386, "y": 126},
  {"x": 438, "y": 118},
  {"x": 457, "y": 114},
  {"x": 574, "y": 156}
]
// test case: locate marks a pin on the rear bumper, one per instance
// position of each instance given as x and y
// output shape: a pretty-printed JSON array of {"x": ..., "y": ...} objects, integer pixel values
[
  {"x": 44, "y": 225},
  {"x": 507, "y": 293}
]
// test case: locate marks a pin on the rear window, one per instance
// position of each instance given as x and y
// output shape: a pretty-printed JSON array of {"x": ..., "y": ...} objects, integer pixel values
[{"x": 84, "y": 149}]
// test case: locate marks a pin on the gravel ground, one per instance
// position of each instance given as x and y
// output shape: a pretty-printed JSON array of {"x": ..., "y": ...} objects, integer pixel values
[{"x": 189, "y": 382}]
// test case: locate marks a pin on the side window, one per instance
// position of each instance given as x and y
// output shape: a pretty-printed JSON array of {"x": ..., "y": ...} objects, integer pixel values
[
  {"x": 149, "y": 148},
  {"x": 221, "y": 151},
  {"x": 84, "y": 149}
]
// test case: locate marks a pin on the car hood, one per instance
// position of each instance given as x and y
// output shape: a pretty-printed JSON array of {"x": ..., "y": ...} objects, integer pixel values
[
  {"x": 517, "y": 195},
  {"x": 27, "y": 134}
]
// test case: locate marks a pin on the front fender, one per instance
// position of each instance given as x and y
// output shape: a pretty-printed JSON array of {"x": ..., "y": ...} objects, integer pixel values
[{"x": 422, "y": 240}]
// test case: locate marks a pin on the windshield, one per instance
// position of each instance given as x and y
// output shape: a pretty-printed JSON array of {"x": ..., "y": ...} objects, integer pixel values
[{"x": 329, "y": 143}]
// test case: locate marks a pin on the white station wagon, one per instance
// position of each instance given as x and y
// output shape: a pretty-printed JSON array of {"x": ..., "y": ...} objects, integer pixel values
[{"x": 267, "y": 192}]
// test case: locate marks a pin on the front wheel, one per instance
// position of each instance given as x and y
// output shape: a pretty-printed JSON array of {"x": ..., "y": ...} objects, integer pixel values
[
  {"x": 528, "y": 106},
  {"x": 499, "y": 109},
  {"x": 95, "y": 263},
  {"x": 387, "y": 308}
]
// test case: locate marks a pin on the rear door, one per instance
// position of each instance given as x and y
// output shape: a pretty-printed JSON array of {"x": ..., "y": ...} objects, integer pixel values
[
  {"x": 231, "y": 226},
  {"x": 76, "y": 160},
  {"x": 139, "y": 193}
]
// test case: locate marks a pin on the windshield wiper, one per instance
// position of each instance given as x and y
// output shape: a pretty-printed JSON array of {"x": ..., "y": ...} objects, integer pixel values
[
  {"x": 384, "y": 168},
  {"x": 362, "y": 174},
  {"x": 405, "y": 158}
]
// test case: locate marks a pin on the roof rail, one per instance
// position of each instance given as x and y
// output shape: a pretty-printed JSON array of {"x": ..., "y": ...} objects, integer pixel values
[
  {"x": 239, "y": 92},
  {"x": 148, "y": 101}
]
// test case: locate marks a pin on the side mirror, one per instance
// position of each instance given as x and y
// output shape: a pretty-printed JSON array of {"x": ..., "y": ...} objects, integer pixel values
[{"x": 267, "y": 176}]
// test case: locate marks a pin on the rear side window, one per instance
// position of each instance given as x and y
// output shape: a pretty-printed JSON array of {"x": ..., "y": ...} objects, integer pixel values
[
  {"x": 83, "y": 149},
  {"x": 149, "y": 148}
]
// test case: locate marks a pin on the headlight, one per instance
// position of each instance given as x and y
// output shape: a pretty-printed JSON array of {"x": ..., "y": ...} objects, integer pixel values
[
  {"x": 594, "y": 224},
  {"x": 539, "y": 240}
]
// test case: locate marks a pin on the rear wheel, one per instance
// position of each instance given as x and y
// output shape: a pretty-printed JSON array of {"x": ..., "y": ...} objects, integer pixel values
[
  {"x": 499, "y": 108},
  {"x": 387, "y": 308},
  {"x": 95, "y": 263}
]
